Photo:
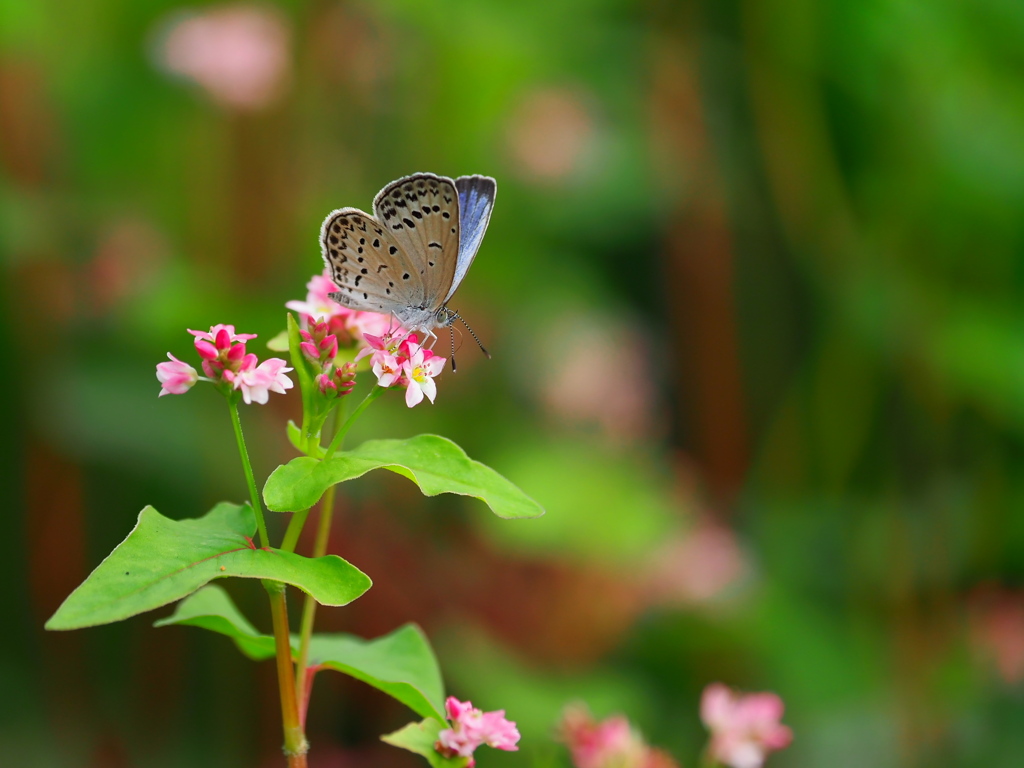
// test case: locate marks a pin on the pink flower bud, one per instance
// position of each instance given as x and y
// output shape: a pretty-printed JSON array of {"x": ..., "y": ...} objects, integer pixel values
[
  {"x": 176, "y": 377},
  {"x": 206, "y": 350},
  {"x": 222, "y": 339}
]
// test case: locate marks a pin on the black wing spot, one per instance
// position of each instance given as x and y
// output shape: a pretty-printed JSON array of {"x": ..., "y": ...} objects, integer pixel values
[
  {"x": 376, "y": 243},
  {"x": 405, "y": 276},
  {"x": 334, "y": 252},
  {"x": 362, "y": 241},
  {"x": 396, "y": 194},
  {"x": 360, "y": 249},
  {"x": 360, "y": 259},
  {"x": 392, "y": 250},
  {"x": 387, "y": 215},
  {"x": 447, "y": 199},
  {"x": 453, "y": 230},
  {"x": 430, "y": 263},
  {"x": 409, "y": 223},
  {"x": 446, "y": 215},
  {"x": 358, "y": 278},
  {"x": 434, "y": 245},
  {"x": 436, "y": 208},
  {"x": 364, "y": 270},
  {"x": 365, "y": 296},
  {"x": 390, "y": 284},
  {"x": 336, "y": 228},
  {"x": 417, "y": 214},
  {"x": 425, "y": 209},
  {"x": 333, "y": 239},
  {"x": 400, "y": 204},
  {"x": 387, "y": 291},
  {"x": 382, "y": 266}
]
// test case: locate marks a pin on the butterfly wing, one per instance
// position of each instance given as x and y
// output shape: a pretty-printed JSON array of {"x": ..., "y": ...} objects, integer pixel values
[
  {"x": 421, "y": 212},
  {"x": 372, "y": 270},
  {"x": 476, "y": 200}
]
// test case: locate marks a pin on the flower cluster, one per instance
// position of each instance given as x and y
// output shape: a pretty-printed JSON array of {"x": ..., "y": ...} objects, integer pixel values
[
  {"x": 610, "y": 743},
  {"x": 226, "y": 362},
  {"x": 744, "y": 728},
  {"x": 396, "y": 357},
  {"x": 320, "y": 347},
  {"x": 471, "y": 728}
]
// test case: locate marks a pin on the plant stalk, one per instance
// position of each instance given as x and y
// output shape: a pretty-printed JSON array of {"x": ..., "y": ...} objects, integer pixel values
[
  {"x": 373, "y": 394},
  {"x": 295, "y": 744},
  {"x": 303, "y": 681},
  {"x": 254, "y": 496}
]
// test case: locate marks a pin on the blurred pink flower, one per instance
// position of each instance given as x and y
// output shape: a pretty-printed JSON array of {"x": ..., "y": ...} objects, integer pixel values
[
  {"x": 698, "y": 567},
  {"x": 622, "y": 402},
  {"x": 997, "y": 629},
  {"x": 176, "y": 377},
  {"x": 471, "y": 728},
  {"x": 551, "y": 135},
  {"x": 610, "y": 743},
  {"x": 238, "y": 53},
  {"x": 744, "y": 727}
]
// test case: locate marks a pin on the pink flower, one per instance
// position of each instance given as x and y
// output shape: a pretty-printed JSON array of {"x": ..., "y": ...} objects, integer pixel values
[
  {"x": 222, "y": 335},
  {"x": 176, "y": 377},
  {"x": 744, "y": 728},
  {"x": 387, "y": 368},
  {"x": 226, "y": 362},
  {"x": 420, "y": 369},
  {"x": 471, "y": 728},
  {"x": 256, "y": 382},
  {"x": 387, "y": 343},
  {"x": 610, "y": 743}
]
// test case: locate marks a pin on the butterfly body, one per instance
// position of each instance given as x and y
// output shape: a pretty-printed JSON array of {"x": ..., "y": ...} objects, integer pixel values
[{"x": 410, "y": 256}]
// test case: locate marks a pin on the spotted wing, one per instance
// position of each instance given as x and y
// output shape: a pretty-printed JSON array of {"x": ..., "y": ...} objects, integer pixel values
[
  {"x": 422, "y": 214},
  {"x": 371, "y": 269},
  {"x": 476, "y": 200}
]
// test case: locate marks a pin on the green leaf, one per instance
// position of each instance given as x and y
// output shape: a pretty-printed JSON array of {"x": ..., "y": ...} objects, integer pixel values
[
  {"x": 401, "y": 664},
  {"x": 211, "y": 608},
  {"x": 279, "y": 343},
  {"x": 162, "y": 560},
  {"x": 420, "y": 738},
  {"x": 435, "y": 464}
]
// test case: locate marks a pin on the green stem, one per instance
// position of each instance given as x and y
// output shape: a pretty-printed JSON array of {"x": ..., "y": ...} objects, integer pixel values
[
  {"x": 374, "y": 393},
  {"x": 295, "y": 744},
  {"x": 303, "y": 682},
  {"x": 254, "y": 495},
  {"x": 294, "y": 530}
]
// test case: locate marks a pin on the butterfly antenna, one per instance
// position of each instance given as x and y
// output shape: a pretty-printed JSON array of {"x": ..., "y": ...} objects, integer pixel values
[
  {"x": 452, "y": 332},
  {"x": 475, "y": 337}
]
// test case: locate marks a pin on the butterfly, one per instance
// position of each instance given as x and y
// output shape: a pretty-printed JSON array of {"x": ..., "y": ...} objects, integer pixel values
[{"x": 411, "y": 255}]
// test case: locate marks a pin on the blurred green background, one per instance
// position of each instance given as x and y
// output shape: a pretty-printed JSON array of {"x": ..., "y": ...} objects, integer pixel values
[{"x": 753, "y": 286}]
